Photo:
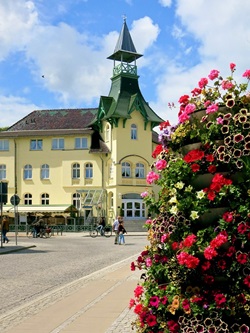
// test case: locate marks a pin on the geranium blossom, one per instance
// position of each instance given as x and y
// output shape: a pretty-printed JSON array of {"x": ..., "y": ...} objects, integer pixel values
[
  {"x": 161, "y": 164},
  {"x": 152, "y": 177}
]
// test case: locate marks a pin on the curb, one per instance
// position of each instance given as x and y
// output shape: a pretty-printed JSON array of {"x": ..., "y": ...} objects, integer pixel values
[{"x": 16, "y": 250}]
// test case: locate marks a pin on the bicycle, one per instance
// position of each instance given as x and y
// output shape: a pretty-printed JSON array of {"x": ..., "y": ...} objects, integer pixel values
[
  {"x": 95, "y": 231},
  {"x": 43, "y": 233}
]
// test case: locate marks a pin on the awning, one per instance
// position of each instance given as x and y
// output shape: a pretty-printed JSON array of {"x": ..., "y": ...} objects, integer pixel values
[{"x": 37, "y": 209}]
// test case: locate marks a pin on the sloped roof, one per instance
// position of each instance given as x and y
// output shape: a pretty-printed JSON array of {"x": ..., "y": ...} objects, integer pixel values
[
  {"x": 56, "y": 119},
  {"x": 125, "y": 49}
]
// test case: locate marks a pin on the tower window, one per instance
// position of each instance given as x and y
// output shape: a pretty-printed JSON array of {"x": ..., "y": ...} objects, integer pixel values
[{"x": 133, "y": 132}]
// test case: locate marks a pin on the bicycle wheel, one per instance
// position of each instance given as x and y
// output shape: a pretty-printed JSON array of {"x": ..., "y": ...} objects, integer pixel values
[
  {"x": 93, "y": 233},
  {"x": 108, "y": 232}
]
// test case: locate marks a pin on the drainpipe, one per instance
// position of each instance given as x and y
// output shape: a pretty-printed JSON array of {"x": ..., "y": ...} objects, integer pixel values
[{"x": 15, "y": 166}]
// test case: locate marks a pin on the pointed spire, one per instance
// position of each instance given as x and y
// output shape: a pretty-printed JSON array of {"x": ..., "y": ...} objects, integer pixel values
[{"x": 125, "y": 49}]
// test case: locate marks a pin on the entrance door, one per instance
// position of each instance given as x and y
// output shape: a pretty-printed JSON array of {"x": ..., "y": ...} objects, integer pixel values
[{"x": 133, "y": 208}]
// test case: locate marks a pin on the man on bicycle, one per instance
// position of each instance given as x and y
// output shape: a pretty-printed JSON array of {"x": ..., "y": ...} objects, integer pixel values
[{"x": 101, "y": 226}]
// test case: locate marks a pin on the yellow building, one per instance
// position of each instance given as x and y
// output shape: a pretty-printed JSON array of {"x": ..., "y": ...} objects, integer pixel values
[{"x": 84, "y": 162}]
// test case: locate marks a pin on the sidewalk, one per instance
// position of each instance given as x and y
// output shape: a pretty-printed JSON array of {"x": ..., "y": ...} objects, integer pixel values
[{"x": 97, "y": 303}]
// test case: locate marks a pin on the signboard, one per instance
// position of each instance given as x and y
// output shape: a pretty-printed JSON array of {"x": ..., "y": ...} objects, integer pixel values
[{"x": 15, "y": 200}]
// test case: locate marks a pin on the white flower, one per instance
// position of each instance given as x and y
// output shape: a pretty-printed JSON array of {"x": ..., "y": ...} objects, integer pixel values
[
  {"x": 173, "y": 200},
  {"x": 189, "y": 188},
  {"x": 173, "y": 210},
  {"x": 194, "y": 215},
  {"x": 200, "y": 194},
  {"x": 172, "y": 191},
  {"x": 179, "y": 185}
]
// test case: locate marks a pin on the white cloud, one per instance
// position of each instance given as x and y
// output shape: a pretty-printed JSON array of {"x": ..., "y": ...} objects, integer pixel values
[
  {"x": 165, "y": 3},
  {"x": 17, "y": 20},
  {"x": 14, "y": 108},
  {"x": 222, "y": 32}
]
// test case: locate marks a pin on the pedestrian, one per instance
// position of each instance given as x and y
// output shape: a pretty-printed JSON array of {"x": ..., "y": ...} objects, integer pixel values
[
  {"x": 5, "y": 229},
  {"x": 121, "y": 232},
  {"x": 115, "y": 228}
]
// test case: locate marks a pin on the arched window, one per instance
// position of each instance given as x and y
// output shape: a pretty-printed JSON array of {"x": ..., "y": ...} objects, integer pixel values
[
  {"x": 2, "y": 171},
  {"x": 76, "y": 200},
  {"x": 45, "y": 171},
  {"x": 133, "y": 132},
  {"x": 89, "y": 170},
  {"x": 140, "y": 170},
  {"x": 45, "y": 199},
  {"x": 27, "y": 172},
  {"x": 76, "y": 171},
  {"x": 28, "y": 199},
  {"x": 126, "y": 169}
]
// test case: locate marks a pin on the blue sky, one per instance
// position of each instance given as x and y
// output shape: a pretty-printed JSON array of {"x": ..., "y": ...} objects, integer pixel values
[{"x": 68, "y": 42}]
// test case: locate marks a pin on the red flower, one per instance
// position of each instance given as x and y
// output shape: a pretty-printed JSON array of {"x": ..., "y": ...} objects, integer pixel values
[
  {"x": 151, "y": 320},
  {"x": 222, "y": 264},
  {"x": 195, "y": 167},
  {"x": 209, "y": 158},
  {"x": 157, "y": 151},
  {"x": 189, "y": 240},
  {"x": 242, "y": 258},
  {"x": 242, "y": 228},
  {"x": 164, "y": 125},
  {"x": 228, "y": 216},
  {"x": 132, "y": 266},
  {"x": 220, "y": 300},
  {"x": 247, "y": 281},
  {"x": 193, "y": 155},
  {"x": 184, "y": 99},
  {"x": 206, "y": 265},
  {"x": 211, "y": 169},
  {"x": 173, "y": 326},
  {"x": 211, "y": 195},
  {"x": 210, "y": 253}
]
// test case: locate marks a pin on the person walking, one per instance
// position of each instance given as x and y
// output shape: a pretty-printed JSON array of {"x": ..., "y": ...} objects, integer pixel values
[
  {"x": 115, "y": 228},
  {"x": 121, "y": 232},
  {"x": 5, "y": 229}
]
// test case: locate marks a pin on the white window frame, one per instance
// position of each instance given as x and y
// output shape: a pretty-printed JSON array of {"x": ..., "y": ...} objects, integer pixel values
[
  {"x": 45, "y": 171},
  {"x": 88, "y": 170},
  {"x": 81, "y": 143},
  {"x": 27, "y": 172},
  {"x": 126, "y": 170},
  {"x": 36, "y": 144},
  {"x": 76, "y": 172},
  {"x": 45, "y": 199},
  {"x": 27, "y": 199},
  {"x": 2, "y": 171},
  {"x": 4, "y": 144},
  {"x": 76, "y": 200},
  {"x": 133, "y": 132},
  {"x": 140, "y": 170},
  {"x": 57, "y": 144}
]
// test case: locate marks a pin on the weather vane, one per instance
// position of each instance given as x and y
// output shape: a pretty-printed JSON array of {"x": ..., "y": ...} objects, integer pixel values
[{"x": 124, "y": 18}]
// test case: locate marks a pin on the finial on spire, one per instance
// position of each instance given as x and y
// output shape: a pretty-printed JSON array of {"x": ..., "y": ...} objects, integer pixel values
[{"x": 124, "y": 18}]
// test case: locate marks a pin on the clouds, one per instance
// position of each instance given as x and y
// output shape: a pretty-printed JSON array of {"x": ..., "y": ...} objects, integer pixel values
[
  {"x": 181, "y": 41},
  {"x": 17, "y": 20}
]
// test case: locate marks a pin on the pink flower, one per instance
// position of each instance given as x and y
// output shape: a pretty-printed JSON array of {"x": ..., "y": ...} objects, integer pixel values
[
  {"x": 218, "y": 240},
  {"x": 213, "y": 74},
  {"x": 228, "y": 216},
  {"x": 152, "y": 176},
  {"x": 203, "y": 82},
  {"x": 138, "y": 291},
  {"x": 247, "y": 74},
  {"x": 148, "y": 262},
  {"x": 220, "y": 300},
  {"x": 225, "y": 84},
  {"x": 131, "y": 303},
  {"x": 144, "y": 194},
  {"x": 161, "y": 164},
  {"x": 232, "y": 66},
  {"x": 183, "y": 117},
  {"x": 212, "y": 108},
  {"x": 154, "y": 301},
  {"x": 210, "y": 253},
  {"x": 189, "y": 108},
  {"x": 219, "y": 121}
]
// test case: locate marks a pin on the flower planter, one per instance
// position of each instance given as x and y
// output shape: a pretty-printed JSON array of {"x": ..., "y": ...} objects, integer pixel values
[
  {"x": 185, "y": 149},
  {"x": 212, "y": 216},
  {"x": 204, "y": 180}
]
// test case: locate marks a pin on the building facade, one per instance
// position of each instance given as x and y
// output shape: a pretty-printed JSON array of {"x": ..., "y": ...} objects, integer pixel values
[{"x": 84, "y": 162}]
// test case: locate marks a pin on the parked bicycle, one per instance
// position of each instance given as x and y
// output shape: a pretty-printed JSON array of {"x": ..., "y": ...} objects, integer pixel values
[{"x": 105, "y": 231}]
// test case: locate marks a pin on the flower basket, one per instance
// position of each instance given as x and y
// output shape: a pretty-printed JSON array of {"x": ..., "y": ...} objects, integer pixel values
[
  {"x": 213, "y": 215},
  {"x": 204, "y": 180},
  {"x": 185, "y": 149}
]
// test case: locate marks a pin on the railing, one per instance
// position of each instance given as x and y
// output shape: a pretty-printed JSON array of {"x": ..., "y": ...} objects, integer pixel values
[{"x": 55, "y": 229}]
